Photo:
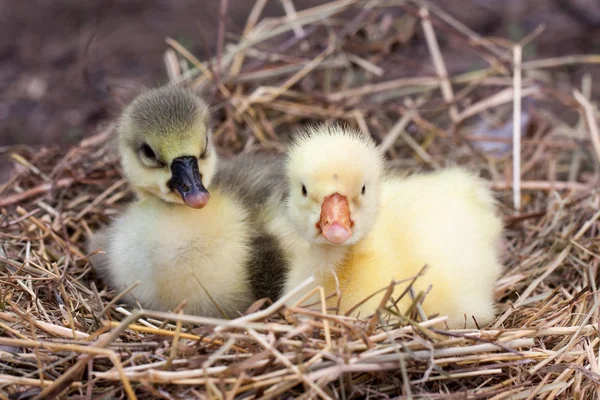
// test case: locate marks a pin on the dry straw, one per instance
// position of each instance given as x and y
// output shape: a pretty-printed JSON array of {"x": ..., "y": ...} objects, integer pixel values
[{"x": 63, "y": 335}]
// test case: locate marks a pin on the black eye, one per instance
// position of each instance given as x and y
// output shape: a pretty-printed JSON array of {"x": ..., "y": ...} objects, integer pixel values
[
  {"x": 364, "y": 190},
  {"x": 148, "y": 152},
  {"x": 304, "y": 191}
]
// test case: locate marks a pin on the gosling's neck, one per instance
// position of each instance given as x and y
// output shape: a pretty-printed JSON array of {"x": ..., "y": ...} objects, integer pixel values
[
  {"x": 313, "y": 258},
  {"x": 325, "y": 258}
]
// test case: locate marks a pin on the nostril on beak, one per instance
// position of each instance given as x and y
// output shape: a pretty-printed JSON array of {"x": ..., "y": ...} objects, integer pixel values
[{"x": 186, "y": 188}]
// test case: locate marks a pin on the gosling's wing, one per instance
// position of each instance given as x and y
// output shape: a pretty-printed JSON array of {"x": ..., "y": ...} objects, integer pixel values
[
  {"x": 256, "y": 179},
  {"x": 267, "y": 266},
  {"x": 258, "y": 182}
]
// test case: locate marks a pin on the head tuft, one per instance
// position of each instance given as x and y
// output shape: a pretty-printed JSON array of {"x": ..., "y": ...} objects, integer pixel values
[
  {"x": 328, "y": 152},
  {"x": 165, "y": 117}
]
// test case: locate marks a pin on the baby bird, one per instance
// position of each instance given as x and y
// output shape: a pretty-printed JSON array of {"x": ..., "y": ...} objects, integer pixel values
[
  {"x": 444, "y": 220},
  {"x": 180, "y": 242},
  {"x": 388, "y": 228},
  {"x": 333, "y": 182}
]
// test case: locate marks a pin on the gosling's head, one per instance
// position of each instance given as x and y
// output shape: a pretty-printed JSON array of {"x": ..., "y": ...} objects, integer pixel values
[
  {"x": 334, "y": 176},
  {"x": 165, "y": 146}
]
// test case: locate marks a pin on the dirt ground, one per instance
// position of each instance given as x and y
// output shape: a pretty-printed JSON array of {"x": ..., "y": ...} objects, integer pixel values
[{"x": 44, "y": 99}]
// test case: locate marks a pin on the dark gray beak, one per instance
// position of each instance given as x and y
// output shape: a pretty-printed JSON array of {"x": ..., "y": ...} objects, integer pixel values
[{"x": 186, "y": 180}]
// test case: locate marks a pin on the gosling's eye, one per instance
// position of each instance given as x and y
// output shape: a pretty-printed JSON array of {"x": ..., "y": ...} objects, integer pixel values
[
  {"x": 364, "y": 190},
  {"x": 304, "y": 191},
  {"x": 148, "y": 152}
]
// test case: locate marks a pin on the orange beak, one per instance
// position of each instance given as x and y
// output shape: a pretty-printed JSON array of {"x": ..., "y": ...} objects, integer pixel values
[{"x": 335, "y": 222}]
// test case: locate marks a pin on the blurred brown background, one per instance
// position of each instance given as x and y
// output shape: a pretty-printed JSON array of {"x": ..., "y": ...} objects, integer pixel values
[{"x": 44, "y": 99}]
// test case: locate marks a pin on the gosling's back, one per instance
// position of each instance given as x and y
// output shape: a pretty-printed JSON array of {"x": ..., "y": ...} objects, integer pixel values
[
  {"x": 445, "y": 220},
  {"x": 257, "y": 181}
]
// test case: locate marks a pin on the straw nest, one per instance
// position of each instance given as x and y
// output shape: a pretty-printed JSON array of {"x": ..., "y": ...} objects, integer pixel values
[{"x": 63, "y": 334}]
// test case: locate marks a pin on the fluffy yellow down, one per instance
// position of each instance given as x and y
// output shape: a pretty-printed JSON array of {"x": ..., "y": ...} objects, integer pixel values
[{"x": 445, "y": 220}]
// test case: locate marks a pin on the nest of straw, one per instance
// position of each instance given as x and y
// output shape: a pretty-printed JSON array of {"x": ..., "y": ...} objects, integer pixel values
[{"x": 63, "y": 335}]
